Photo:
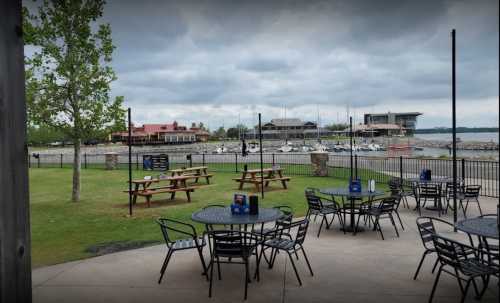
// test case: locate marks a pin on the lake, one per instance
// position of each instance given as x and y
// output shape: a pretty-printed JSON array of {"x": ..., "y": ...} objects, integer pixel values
[{"x": 479, "y": 137}]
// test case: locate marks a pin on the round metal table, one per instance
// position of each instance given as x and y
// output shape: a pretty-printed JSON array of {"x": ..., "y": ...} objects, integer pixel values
[
  {"x": 223, "y": 216},
  {"x": 482, "y": 227},
  {"x": 352, "y": 196}
]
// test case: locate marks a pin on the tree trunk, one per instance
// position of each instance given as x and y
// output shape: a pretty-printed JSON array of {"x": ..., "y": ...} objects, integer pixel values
[{"x": 77, "y": 167}]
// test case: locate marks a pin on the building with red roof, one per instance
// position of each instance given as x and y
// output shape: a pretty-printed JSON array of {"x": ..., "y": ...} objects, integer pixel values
[{"x": 163, "y": 134}]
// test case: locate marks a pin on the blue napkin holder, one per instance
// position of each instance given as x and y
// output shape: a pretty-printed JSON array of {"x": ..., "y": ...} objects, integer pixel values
[
  {"x": 355, "y": 186},
  {"x": 237, "y": 209}
]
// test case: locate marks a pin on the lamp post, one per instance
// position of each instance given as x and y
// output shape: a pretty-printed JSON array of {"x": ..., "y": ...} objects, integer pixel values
[
  {"x": 261, "y": 160},
  {"x": 129, "y": 142},
  {"x": 350, "y": 151},
  {"x": 454, "y": 124}
]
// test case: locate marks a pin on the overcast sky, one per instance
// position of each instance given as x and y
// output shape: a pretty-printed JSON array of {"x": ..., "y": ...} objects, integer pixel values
[{"x": 212, "y": 60}]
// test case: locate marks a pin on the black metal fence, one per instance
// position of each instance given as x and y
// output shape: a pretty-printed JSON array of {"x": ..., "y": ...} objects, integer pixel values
[{"x": 484, "y": 173}]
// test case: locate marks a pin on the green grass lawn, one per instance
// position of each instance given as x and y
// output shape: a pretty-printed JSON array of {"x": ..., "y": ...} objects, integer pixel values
[{"x": 62, "y": 230}]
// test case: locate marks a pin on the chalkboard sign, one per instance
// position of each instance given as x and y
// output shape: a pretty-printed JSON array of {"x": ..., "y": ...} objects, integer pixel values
[{"x": 155, "y": 162}]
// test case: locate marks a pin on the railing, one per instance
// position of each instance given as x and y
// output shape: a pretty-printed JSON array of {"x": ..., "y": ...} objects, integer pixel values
[{"x": 381, "y": 169}]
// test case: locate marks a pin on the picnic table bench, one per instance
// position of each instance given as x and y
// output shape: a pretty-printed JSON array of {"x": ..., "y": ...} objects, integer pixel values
[
  {"x": 198, "y": 171},
  {"x": 142, "y": 187},
  {"x": 254, "y": 176}
]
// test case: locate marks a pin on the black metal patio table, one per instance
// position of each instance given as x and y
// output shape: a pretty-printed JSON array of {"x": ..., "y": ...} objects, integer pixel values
[
  {"x": 483, "y": 227},
  {"x": 351, "y": 196},
  {"x": 223, "y": 216}
]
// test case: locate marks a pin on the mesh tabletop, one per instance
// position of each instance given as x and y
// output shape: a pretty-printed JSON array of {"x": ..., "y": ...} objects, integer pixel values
[
  {"x": 484, "y": 227},
  {"x": 344, "y": 192},
  {"x": 223, "y": 216}
]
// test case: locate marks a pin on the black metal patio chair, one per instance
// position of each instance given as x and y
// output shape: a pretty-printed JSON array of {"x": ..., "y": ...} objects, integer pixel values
[
  {"x": 278, "y": 240},
  {"x": 169, "y": 227},
  {"x": 317, "y": 208},
  {"x": 430, "y": 191},
  {"x": 448, "y": 193},
  {"x": 470, "y": 194},
  {"x": 426, "y": 227},
  {"x": 490, "y": 250},
  {"x": 462, "y": 262},
  {"x": 397, "y": 188},
  {"x": 232, "y": 244},
  {"x": 384, "y": 210}
]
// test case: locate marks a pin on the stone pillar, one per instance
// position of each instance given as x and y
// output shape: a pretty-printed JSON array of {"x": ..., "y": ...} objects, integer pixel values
[
  {"x": 111, "y": 161},
  {"x": 318, "y": 161}
]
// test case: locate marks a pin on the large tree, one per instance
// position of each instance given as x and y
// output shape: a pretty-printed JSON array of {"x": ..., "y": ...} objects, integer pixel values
[{"x": 69, "y": 74}]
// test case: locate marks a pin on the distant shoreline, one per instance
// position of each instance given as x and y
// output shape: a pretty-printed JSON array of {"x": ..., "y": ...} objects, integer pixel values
[{"x": 459, "y": 130}]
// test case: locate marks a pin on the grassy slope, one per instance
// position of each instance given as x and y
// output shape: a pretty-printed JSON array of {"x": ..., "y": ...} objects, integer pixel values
[{"x": 62, "y": 230}]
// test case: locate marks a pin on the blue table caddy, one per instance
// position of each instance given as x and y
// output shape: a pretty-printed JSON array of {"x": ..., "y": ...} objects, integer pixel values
[
  {"x": 355, "y": 185},
  {"x": 240, "y": 205},
  {"x": 425, "y": 174}
]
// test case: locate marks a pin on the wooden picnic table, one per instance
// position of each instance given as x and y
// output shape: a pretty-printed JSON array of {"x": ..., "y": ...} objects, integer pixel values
[
  {"x": 198, "y": 171},
  {"x": 142, "y": 187},
  {"x": 254, "y": 176}
]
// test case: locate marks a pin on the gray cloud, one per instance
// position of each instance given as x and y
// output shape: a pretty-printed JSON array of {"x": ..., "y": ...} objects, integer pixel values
[{"x": 380, "y": 55}]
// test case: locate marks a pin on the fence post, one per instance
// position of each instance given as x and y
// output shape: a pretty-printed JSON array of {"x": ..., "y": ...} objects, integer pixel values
[
  {"x": 38, "y": 161},
  {"x": 401, "y": 168},
  {"x": 463, "y": 170},
  {"x": 136, "y": 161},
  {"x": 61, "y": 160},
  {"x": 236, "y": 162},
  {"x": 274, "y": 163},
  {"x": 85, "y": 160},
  {"x": 203, "y": 159},
  {"x": 355, "y": 166},
  {"x": 29, "y": 161}
]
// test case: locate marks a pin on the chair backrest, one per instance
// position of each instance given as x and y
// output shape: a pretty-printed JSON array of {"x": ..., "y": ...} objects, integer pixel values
[
  {"x": 287, "y": 217},
  {"x": 472, "y": 191},
  {"x": 387, "y": 205},
  {"x": 170, "y": 227},
  {"x": 427, "y": 227},
  {"x": 310, "y": 191},
  {"x": 394, "y": 185},
  {"x": 314, "y": 202},
  {"x": 231, "y": 243},
  {"x": 430, "y": 190},
  {"x": 301, "y": 230},
  {"x": 451, "y": 252}
]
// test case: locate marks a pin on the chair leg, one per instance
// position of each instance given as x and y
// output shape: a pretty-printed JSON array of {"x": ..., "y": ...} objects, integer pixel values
[
  {"x": 320, "y": 226},
  {"x": 294, "y": 268},
  {"x": 436, "y": 280},
  {"x": 420, "y": 264},
  {"x": 465, "y": 290},
  {"x": 435, "y": 265},
  {"x": 247, "y": 277},
  {"x": 356, "y": 226},
  {"x": 341, "y": 222},
  {"x": 203, "y": 262},
  {"x": 486, "y": 280},
  {"x": 377, "y": 225},
  {"x": 400, "y": 221},
  {"x": 165, "y": 263},
  {"x": 394, "y": 224},
  {"x": 307, "y": 260},
  {"x": 211, "y": 276},
  {"x": 218, "y": 267},
  {"x": 479, "y": 207}
]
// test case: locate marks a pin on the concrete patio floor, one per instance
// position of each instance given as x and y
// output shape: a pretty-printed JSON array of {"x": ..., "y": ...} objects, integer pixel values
[{"x": 361, "y": 268}]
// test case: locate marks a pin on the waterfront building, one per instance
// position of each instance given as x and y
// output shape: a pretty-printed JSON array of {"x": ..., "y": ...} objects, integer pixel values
[
  {"x": 291, "y": 128},
  {"x": 162, "y": 134},
  {"x": 383, "y": 124}
]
